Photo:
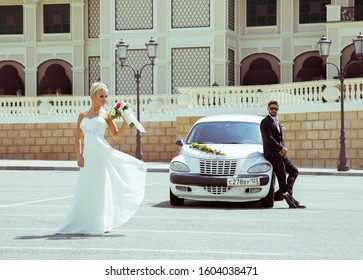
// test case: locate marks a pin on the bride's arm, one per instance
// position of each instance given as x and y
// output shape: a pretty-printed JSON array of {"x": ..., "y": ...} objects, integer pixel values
[
  {"x": 78, "y": 142},
  {"x": 115, "y": 131}
]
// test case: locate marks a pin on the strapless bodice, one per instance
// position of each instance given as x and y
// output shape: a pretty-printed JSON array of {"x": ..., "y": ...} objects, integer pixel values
[{"x": 95, "y": 126}]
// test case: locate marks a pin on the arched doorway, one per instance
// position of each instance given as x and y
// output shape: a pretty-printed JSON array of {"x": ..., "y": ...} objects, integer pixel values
[
  {"x": 10, "y": 81},
  {"x": 54, "y": 78},
  {"x": 354, "y": 70},
  {"x": 259, "y": 69},
  {"x": 312, "y": 69}
]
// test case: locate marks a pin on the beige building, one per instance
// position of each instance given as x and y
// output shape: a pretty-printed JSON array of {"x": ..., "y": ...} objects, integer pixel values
[
  {"x": 66, "y": 45},
  {"x": 55, "y": 48}
]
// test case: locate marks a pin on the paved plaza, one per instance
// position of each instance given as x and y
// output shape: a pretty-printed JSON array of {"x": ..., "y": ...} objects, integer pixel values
[{"x": 35, "y": 197}]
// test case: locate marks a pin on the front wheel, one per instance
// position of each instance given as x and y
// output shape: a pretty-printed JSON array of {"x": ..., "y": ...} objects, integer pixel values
[
  {"x": 174, "y": 200},
  {"x": 268, "y": 201}
]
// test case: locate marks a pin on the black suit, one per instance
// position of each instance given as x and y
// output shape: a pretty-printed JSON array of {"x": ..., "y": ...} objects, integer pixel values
[{"x": 273, "y": 142}]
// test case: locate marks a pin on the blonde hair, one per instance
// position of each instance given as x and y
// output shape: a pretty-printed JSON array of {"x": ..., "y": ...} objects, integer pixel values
[{"x": 96, "y": 87}]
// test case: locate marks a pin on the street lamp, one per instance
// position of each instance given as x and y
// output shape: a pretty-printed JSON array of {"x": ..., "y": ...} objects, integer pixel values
[
  {"x": 122, "y": 47},
  {"x": 324, "y": 48}
]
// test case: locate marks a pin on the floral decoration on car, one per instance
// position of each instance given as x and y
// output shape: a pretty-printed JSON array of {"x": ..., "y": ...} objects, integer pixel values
[{"x": 206, "y": 149}]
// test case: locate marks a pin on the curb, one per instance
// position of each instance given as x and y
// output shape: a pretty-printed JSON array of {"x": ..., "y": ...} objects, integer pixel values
[
  {"x": 50, "y": 168},
  {"x": 331, "y": 173},
  {"x": 155, "y": 167},
  {"x": 40, "y": 168}
]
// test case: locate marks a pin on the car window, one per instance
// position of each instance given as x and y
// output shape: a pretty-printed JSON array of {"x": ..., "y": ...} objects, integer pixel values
[{"x": 225, "y": 133}]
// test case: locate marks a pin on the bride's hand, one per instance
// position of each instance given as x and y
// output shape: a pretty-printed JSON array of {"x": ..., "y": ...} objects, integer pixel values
[{"x": 80, "y": 161}]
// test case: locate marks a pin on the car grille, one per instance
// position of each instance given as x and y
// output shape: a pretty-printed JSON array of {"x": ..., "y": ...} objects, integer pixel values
[
  {"x": 218, "y": 167},
  {"x": 216, "y": 189}
]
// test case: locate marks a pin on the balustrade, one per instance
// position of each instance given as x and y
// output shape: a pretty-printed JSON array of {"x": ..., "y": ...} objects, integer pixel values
[
  {"x": 351, "y": 13},
  {"x": 192, "y": 99}
]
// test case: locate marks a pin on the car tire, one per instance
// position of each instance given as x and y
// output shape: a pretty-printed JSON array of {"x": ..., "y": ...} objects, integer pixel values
[
  {"x": 268, "y": 201},
  {"x": 174, "y": 200}
]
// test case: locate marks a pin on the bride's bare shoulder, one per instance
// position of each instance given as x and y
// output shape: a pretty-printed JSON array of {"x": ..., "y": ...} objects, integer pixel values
[{"x": 81, "y": 116}]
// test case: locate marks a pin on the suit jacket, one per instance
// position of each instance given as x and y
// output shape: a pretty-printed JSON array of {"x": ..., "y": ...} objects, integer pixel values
[{"x": 273, "y": 140}]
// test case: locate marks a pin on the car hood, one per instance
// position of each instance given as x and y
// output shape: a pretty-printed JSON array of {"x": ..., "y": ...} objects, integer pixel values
[{"x": 237, "y": 151}]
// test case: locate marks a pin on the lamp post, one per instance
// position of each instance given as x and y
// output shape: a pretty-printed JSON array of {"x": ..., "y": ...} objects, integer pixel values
[
  {"x": 324, "y": 48},
  {"x": 122, "y": 55}
]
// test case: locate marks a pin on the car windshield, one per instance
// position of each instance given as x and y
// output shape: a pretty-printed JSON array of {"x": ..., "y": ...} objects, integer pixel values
[{"x": 225, "y": 133}]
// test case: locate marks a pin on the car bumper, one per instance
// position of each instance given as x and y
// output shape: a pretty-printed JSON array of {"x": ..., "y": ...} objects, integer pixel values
[{"x": 215, "y": 188}]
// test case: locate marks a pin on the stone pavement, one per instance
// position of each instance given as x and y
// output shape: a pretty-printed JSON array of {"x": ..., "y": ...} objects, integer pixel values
[{"x": 152, "y": 167}]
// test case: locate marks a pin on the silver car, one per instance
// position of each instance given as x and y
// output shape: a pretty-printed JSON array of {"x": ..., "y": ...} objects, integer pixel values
[{"x": 221, "y": 159}]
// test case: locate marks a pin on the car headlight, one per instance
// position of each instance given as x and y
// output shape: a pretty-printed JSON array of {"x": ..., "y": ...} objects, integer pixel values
[
  {"x": 179, "y": 166},
  {"x": 260, "y": 168}
]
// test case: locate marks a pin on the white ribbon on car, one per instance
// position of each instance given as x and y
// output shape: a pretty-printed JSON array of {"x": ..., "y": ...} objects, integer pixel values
[{"x": 131, "y": 119}]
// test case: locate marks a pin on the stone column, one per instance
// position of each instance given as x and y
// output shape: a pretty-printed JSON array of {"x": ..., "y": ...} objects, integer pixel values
[
  {"x": 333, "y": 12},
  {"x": 219, "y": 67},
  {"x": 287, "y": 42},
  {"x": 77, "y": 30},
  {"x": 30, "y": 50},
  {"x": 107, "y": 46},
  {"x": 162, "y": 83},
  {"x": 334, "y": 34}
]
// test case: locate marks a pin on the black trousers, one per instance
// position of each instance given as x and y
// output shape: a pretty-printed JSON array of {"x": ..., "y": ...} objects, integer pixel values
[{"x": 281, "y": 167}]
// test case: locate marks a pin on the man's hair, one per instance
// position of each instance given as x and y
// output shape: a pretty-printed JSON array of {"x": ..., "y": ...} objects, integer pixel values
[{"x": 273, "y": 102}]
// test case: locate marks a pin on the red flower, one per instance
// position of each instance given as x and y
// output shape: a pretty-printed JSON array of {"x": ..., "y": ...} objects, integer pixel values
[{"x": 118, "y": 105}]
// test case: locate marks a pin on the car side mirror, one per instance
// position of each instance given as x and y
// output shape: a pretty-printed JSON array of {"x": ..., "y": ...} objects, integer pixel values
[{"x": 179, "y": 142}]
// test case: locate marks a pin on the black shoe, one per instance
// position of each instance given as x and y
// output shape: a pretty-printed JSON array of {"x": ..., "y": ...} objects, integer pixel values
[
  {"x": 289, "y": 199},
  {"x": 297, "y": 203},
  {"x": 299, "y": 206}
]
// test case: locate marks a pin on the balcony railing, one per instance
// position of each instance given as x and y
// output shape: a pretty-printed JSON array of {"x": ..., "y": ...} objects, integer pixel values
[
  {"x": 191, "y": 101},
  {"x": 351, "y": 14},
  {"x": 292, "y": 94}
]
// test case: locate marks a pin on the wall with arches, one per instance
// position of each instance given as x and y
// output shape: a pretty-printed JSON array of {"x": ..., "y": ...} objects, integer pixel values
[{"x": 52, "y": 74}]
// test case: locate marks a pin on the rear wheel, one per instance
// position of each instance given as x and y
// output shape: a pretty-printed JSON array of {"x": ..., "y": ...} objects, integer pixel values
[
  {"x": 268, "y": 201},
  {"x": 174, "y": 200}
]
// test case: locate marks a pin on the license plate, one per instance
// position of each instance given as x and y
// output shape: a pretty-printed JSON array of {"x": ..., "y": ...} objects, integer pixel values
[{"x": 240, "y": 182}]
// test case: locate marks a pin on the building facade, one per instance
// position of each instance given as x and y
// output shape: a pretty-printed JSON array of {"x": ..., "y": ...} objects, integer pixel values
[
  {"x": 50, "y": 47},
  {"x": 54, "y": 48}
]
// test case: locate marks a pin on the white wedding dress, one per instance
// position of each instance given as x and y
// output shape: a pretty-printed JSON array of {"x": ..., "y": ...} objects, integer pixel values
[{"x": 110, "y": 186}]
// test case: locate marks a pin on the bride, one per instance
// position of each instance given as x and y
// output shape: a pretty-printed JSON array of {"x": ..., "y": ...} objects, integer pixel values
[{"x": 111, "y": 184}]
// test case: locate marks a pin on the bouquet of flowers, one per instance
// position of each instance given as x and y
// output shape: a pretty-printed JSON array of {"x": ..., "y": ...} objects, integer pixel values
[
  {"x": 123, "y": 109},
  {"x": 206, "y": 149},
  {"x": 119, "y": 110}
]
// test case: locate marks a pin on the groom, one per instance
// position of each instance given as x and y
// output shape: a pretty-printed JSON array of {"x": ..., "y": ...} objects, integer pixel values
[{"x": 275, "y": 152}]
